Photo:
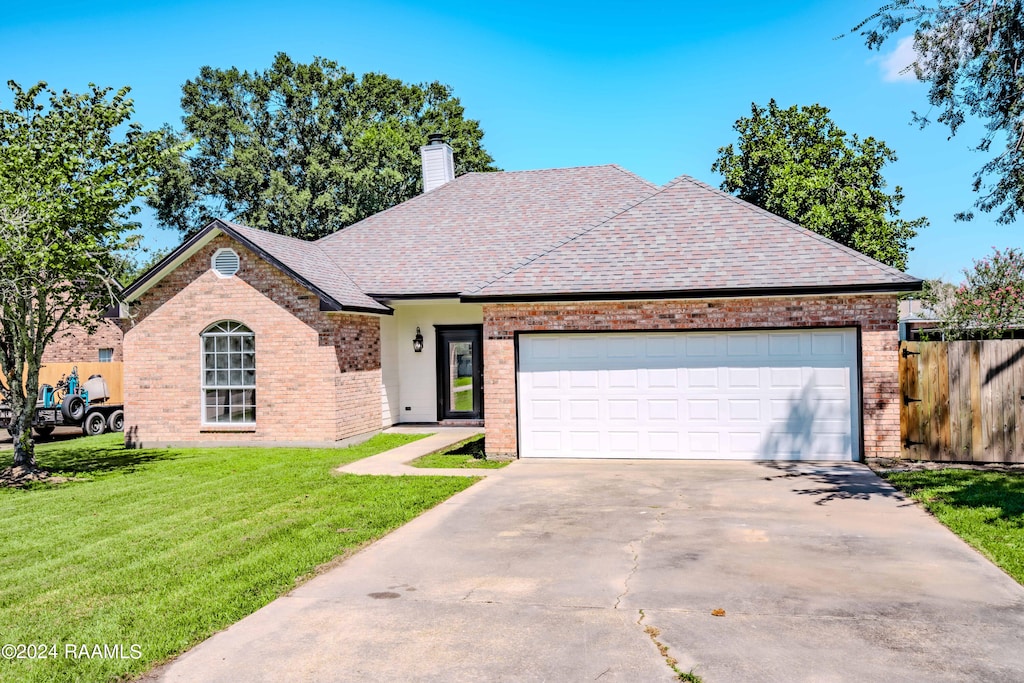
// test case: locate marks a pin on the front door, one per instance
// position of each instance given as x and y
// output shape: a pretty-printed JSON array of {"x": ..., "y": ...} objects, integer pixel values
[{"x": 459, "y": 372}]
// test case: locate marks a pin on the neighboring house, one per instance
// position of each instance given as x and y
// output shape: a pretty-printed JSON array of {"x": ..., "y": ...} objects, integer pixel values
[
  {"x": 917, "y": 320},
  {"x": 579, "y": 312},
  {"x": 73, "y": 345}
]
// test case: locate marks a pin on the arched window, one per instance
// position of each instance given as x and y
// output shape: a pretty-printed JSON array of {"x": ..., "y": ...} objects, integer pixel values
[{"x": 229, "y": 374}]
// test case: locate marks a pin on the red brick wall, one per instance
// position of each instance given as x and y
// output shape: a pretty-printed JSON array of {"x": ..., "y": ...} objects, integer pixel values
[
  {"x": 73, "y": 345},
  {"x": 317, "y": 374},
  {"x": 875, "y": 315}
]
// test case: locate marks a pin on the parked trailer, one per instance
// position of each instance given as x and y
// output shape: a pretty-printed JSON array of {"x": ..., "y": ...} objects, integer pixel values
[{"x": 72, "y": 405}]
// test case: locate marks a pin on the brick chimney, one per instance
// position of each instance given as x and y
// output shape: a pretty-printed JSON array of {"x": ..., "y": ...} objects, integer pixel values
[{"x": 438, "y": 162}]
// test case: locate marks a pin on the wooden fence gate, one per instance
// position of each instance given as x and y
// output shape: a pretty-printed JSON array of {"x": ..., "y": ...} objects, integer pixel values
[{"x": 962, "y": 401}]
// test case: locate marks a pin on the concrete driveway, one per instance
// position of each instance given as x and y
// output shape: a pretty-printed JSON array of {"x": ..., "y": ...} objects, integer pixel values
[{"x": 553, "y": 571}]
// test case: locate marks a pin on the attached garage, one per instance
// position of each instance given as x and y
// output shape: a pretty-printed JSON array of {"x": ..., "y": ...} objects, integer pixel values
[{"x": 754, "y": 395}]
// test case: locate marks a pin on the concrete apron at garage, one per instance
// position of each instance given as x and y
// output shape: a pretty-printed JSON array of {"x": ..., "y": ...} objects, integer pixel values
[{"x": 553, "y": 571}]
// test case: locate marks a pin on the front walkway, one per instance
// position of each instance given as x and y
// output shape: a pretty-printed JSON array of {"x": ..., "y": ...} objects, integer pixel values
[
  {"x": 574, "y": 570},
  {"x": 393, "y": 462}
]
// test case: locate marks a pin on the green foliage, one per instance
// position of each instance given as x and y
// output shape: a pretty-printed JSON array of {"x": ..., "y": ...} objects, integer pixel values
[
  {"x": 989, "y": 302},
  {"x": 70, "y": 169},
  {"x": 799, "y": 165},
  {"x": 306, "y": 149},
  {"x": 164, "y": 547},
  {"x": 986, "y": 509},
  {"x": 971, "y": 55}
]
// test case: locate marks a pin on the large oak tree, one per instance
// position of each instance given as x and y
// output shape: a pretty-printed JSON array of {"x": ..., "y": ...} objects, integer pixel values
[
  {"x": 798, "y": 164},
  {"x": 306, "y": 149}
]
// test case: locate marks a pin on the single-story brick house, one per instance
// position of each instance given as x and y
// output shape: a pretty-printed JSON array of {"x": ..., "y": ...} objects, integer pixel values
[{"x": 578, "y": 312}]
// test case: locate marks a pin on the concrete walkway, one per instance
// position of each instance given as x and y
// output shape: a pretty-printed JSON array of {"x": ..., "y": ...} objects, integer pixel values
[
  {"x": 576, "y": 570},
  {"x": 393, "y": 462}
]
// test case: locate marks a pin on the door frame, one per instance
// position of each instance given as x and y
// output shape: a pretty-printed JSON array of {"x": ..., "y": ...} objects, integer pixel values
[{"x": 443, "y": 334}]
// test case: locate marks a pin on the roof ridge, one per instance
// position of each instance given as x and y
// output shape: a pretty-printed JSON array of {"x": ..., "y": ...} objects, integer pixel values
[
  {"x": 306, "y": 245},
  {"x": 544, "y": 170},
  {"x": 421, "y": 195},
  {"x": 635, "y": 176},
  {"x": 572, "y": 237},
  {"x": 794, "y": 226}
]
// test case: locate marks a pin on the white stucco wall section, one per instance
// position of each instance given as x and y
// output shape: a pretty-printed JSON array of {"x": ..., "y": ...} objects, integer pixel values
[
  {"x": 409, "y": 379},
  {"x": 389, "y": 371}
]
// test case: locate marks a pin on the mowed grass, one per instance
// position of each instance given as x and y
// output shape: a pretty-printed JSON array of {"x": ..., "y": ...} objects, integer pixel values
[
  {"x": 161, "y": 548},
  {"x": 469, "y": 453},
  {"x": 986, "y": 509}
]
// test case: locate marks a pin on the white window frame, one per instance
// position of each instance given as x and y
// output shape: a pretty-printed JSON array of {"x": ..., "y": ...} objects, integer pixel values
[
  {"x": 109, "y": 355},
  {"x": 233, "y": 374}
]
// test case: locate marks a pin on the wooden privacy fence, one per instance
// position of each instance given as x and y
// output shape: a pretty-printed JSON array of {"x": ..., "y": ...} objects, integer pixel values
[{"x": 962, "y": 401}]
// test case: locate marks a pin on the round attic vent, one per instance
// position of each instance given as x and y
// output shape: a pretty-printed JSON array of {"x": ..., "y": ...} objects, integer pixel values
[{"x": 225, "y": 262}]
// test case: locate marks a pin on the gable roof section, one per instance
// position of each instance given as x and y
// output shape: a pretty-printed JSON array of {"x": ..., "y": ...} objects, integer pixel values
[
  {"x": 478, "y": 227},
  {"x": 690, "y": 240},
  {"x": 304, "y": 262}
]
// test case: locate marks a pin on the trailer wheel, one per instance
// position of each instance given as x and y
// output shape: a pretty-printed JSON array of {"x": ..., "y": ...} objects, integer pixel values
[
  {"x": 95, "y": 424},
  {"x": 115, "y": 422},
  {"x": 72, "y": 407},
  {"x": 44, "y": 430}
]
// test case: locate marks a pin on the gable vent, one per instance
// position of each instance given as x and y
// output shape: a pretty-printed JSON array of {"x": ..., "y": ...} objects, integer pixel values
[{"x": 225, "y": 262}]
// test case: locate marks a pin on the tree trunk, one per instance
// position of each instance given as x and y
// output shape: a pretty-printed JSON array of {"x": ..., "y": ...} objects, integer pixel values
[
  {"x": 23, "y": 411},
  {"x": 24, "y": 448}
]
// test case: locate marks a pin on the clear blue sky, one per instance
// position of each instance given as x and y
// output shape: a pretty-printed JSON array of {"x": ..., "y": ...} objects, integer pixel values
[{"x": 654, "y": 87}]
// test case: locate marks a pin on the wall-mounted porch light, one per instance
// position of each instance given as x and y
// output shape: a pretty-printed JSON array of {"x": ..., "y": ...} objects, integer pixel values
[{"x": 417, "y": 341}]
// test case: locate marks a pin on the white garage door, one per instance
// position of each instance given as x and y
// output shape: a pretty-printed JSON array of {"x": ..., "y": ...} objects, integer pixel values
[{"x": 780, "y": 395}]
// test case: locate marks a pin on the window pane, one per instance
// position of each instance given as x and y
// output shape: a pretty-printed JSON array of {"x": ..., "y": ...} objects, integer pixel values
[{"x": 229, "y": 360}]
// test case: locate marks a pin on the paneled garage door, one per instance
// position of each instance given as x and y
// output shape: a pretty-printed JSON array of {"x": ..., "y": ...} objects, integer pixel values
[{"x": 778, "y": 395}]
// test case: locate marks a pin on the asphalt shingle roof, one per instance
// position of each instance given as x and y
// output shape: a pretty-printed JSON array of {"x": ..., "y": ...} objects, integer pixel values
[
  {"x": 689, "y": 236},
  {"x": 478, "y": 227},
  {"x": 309, "y": 262}
]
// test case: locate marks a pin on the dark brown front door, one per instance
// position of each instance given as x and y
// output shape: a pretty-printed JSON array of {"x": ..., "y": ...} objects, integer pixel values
[{"x": 459, "y": 372}]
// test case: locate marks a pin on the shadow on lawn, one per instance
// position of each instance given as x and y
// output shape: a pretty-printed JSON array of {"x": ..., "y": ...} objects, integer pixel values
[
  {"x": 961, "y": 488},
  {"x": 69, "y": 460},
  {"x": 474, "y": 447},
  {"x": 833, "y": 483}
]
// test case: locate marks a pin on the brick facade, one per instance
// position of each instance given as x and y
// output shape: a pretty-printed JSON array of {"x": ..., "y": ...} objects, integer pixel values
[
  {"x": 73, "y": 345},
  {"x": 876, "y": 316},
  {"x": 318, "y": 374}
]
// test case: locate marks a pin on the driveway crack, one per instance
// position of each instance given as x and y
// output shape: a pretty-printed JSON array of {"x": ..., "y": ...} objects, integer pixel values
[{"x": 634, "y": 547}]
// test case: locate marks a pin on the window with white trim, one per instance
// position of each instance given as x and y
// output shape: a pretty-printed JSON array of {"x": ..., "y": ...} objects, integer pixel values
[
  {"x": 229, "y": 374},
  {"x": 106, "y": 355}
]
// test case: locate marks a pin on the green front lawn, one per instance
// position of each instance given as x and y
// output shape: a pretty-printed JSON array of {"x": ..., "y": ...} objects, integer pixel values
[
  {"x": 161, "y": 548},
  {"x": 986, "y": 509},
  {"x": 469, "y": 453}
]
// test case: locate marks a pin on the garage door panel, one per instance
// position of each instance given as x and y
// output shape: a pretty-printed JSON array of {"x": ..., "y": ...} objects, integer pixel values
[
  {"x": 663, "y": 409},
  {"x": 751, "y": 395},
  {"x": 623, "y": 409}
]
